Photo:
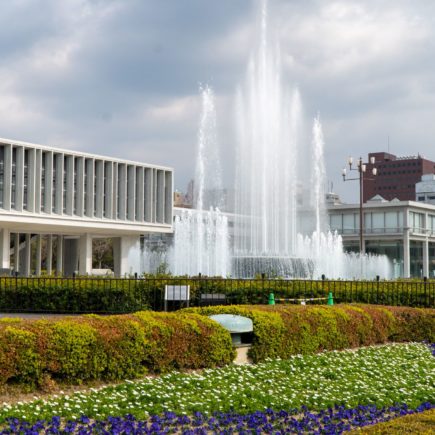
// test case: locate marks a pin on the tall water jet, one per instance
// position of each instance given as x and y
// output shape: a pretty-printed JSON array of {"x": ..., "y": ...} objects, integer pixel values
[
  {"x": 265, "y": 175},
  {"x": 201, "y": 239},
  {"x": 281, "y": 220},
  {"x": 318, "y": 177}
]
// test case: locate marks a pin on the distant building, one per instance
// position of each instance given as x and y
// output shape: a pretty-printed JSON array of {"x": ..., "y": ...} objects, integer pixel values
[
  {"x": 402, "y": 230},
  {"x": 181, "y": 200},
  {"x": 396, "y": 176},
  {"x": 425, "y": 189}
]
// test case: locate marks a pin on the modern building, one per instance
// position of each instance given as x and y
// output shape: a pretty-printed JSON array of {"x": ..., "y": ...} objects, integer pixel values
[
  {"x": 53, "y": 202},
  {"x": 425, "y": 189},
  {"x": 402, "y": 230},
  {"x": 396, "y": 176}
]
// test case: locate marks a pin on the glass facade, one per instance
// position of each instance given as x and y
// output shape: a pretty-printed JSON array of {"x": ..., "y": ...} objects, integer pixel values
[
  {"x": 374, "y": 222},
  {"x": 416, "y": 258}
]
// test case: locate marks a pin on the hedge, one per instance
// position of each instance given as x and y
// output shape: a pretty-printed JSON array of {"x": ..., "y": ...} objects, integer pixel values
[
  {"x": 73, "y": 350},
  {"x": 113, "y": 295},
  {"x": 284, "y": 330}
]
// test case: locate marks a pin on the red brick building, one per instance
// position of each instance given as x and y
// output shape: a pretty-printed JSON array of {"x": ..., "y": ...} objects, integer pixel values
[{"x": 396, "y": 176}]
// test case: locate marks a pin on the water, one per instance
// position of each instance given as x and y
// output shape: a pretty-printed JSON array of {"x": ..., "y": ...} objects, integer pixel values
[
  {"x": 200, "y": 245},
  {"x": 280, "y": 220},
  {"x": 201, "y": 238}
]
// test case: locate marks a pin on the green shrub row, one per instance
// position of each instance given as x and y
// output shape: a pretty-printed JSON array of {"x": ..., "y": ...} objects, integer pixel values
[
  {"x": 72, "y": 350},
  {"x": 284, "y": 330},
  {"x": 111, "y": 295}
]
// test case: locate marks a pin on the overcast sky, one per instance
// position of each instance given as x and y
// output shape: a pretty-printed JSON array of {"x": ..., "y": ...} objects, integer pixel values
[{"x": 121, "y": 77}]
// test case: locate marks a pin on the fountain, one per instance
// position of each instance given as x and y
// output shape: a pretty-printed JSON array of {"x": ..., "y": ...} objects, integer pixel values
[{"x": 280, "y": 218}]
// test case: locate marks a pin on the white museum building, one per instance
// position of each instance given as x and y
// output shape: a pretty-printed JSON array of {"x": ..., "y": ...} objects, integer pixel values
[{"x": 53, "y": 202}]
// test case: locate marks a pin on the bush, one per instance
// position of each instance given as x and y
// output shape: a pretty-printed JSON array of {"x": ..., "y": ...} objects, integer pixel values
[
  {"x": 73, "y": 350},
  {"x": 284, "y": 330},
  {"x": 114, "y": 295}
]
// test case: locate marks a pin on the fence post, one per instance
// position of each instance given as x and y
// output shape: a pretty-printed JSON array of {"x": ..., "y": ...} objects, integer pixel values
[
  {"x": 377, "y": 289},
  {"x": 426, "y": 299}
]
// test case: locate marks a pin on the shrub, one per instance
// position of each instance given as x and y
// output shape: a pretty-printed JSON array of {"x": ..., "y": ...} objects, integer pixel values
[
  {"x": 284, "y": 330},
  {"x": 114, "y": 295},
  {"x": 77, "y": 349}
]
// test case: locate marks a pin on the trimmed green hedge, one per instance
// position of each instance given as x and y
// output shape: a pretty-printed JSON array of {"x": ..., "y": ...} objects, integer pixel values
[
  {"x": 112, "y": 295},
  {"x": 84, "y": 348},
  {"x": 284, "y": 330}
]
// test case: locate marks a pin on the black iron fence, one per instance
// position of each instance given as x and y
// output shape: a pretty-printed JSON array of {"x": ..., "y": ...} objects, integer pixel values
[{"x": 123, "y": 295}]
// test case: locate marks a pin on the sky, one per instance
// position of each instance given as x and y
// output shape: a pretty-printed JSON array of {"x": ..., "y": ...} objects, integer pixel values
[{"x": 121, "y": 77}]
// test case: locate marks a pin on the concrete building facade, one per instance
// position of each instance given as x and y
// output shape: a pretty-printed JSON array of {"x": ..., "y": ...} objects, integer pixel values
[
  {"x": 402, "y": 230},
  {"x": 60, "y": 200}
]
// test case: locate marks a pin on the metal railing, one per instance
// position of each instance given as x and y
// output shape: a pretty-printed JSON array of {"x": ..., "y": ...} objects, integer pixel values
[{"x": 123, "y": 295}]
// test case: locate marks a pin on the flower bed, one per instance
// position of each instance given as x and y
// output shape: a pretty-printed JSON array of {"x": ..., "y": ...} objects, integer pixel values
[
  {"x": 376, "y": 376},
  {"x": 333, "y": 420}
]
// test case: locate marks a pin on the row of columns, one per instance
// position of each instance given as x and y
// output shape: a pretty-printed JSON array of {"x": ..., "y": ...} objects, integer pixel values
[
  {"x": 85, "y": 186},
  {"x": 72, "y": 254}
]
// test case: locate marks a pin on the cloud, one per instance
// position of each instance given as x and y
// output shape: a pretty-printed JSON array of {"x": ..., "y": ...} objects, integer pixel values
[{"x": 121, "y": 77}]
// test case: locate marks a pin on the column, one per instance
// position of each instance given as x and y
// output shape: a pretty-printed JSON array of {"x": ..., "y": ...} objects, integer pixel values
[
  {"x": 80, "y": 186},
  {"x": 139, "y": 194},
  {"x": 108, "y": 188},
  {"x": 59, "y": 256},
  {"x": 115, "y": 191},
  {"x": 406, "y": 259},
  {"x": 31, "y": 178},
  {"x": 49, "y": 259},
  {"x": 122, "y": 197},
  {"x": 89, "y": 193},
  {"x": 160, "y": 206},
  {"x": 38, "y": 175},
  {"x": 58, "y": 192},
  {"x": 148, "y": 195},
  {"x": 85, "y": 254},
  {"x": 48, "y": 182},
  {"x": 19, "y": 179},
  {"x": 7, "y": 182},
  {"x": 5, "y": 247},
  {"x": 69, "y": 196},
  {"x": 38, "y": 255},
  {"x": 27, "y": 256},
  {"x": 99, "y": 192},
  {"x": 121, "y": 249},
  {"x": 131, "y": 189},
  {"x": 169, "y": 197}
]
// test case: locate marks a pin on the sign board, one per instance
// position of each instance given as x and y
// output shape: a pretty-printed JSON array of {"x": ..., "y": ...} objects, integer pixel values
[{"x": 177, "y": 292}]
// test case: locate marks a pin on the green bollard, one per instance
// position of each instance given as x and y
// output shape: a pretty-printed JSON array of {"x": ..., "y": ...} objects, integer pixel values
[
  {"x": 271, "y": 299},
  {"x": 330, "y": 299}
]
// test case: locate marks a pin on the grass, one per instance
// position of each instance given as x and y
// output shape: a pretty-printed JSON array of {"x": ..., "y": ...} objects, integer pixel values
[{"x": 422, "y": 423}]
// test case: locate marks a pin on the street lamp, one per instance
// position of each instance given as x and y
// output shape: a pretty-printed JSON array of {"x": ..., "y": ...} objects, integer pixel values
[{"x": 361, "y": 168}]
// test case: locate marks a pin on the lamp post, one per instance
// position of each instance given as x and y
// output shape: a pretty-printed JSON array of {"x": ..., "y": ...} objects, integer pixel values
[{"x": 361, "y": 169}]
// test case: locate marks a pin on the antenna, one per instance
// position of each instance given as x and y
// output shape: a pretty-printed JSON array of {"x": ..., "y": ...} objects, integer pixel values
[{"x": 388, "y": 144}]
